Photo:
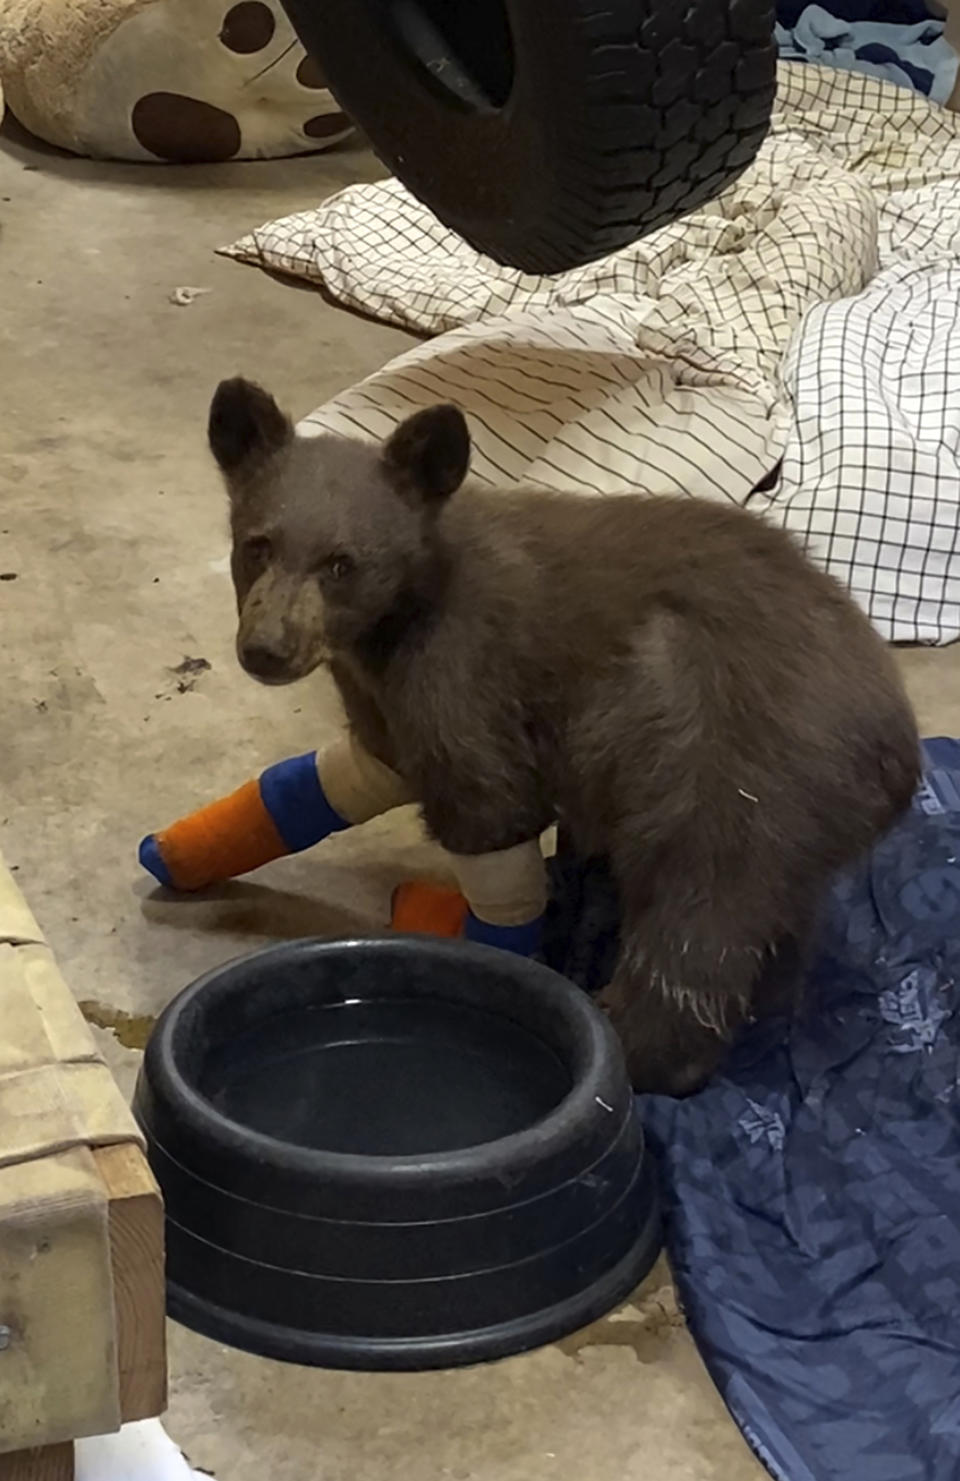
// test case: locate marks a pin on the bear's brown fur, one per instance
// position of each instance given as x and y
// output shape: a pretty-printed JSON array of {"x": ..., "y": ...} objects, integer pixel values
[{"x": 671, "y": 678}]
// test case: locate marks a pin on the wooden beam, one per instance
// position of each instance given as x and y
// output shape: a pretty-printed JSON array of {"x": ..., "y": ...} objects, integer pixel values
[
  {"x": 136, "y": 1257},
  {"x": 135, "y": 1226},
  {"x": 52, "y": 1463}
]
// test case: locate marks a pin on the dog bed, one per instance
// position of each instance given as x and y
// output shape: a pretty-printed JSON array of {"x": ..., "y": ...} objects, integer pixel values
[
  {"x": 662, "y": 367},
  {"x": 812, "y": 1189},
  {"x": 183, "y": 81}
]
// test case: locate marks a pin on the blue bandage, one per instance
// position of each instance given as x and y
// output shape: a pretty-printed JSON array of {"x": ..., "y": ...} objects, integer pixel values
[
  {"x": 294, "y": 798},
  {"x": 152, "y": 860},
  {"x": 521, "y": 940}
]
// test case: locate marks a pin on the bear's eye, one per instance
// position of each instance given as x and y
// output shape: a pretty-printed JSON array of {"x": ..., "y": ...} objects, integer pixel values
[{"x": 339, "y": 566}]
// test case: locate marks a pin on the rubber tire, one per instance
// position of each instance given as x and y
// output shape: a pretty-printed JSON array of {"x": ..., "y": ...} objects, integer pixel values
[{"x": 622, "y": 114}]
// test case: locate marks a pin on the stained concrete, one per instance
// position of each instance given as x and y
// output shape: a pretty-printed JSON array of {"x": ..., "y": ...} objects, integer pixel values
[{"x": 113, "y": 535}]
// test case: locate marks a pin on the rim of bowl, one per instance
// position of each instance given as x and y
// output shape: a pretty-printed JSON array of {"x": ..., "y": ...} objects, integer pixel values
[{"x": 599, "y": 1077}]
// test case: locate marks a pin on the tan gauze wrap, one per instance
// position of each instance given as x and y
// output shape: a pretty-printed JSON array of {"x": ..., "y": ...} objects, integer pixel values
[
  {"x": 507, "y": 888},
  {"x": 356, "y": 784}
]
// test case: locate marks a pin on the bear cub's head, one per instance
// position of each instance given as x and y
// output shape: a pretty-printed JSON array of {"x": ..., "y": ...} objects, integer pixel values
[{"x": 335, "y": 541}]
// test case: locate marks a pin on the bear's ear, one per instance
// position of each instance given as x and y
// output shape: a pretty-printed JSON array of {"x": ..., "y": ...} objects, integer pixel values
[
  {"x": 245, "y": 424},
  {"x": 428, "y": 455}
]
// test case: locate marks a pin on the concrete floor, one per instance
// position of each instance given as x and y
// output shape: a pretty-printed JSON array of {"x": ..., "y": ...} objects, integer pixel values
[{"x": 113, "y": 524}]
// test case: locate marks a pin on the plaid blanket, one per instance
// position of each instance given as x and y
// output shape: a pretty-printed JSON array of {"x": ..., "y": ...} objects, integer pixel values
[{"x": 802, "y": 321}]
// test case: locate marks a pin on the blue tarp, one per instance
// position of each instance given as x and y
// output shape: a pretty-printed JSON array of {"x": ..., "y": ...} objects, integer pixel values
[{"x": 812, "y": 1190}]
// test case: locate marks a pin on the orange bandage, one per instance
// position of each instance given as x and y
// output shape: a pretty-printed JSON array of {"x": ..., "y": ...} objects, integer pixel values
[
  {"x": 230, "y": 836},
  {"x": 287, "y": 809},
  {"x": 428, "y": 909}
]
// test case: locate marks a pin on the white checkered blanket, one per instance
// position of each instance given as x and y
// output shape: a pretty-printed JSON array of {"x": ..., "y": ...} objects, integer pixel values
[{"x": 795, "y": 333}]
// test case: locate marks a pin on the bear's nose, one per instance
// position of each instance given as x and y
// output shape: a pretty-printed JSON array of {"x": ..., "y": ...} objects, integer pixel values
[{"x": 264, "y": 662}]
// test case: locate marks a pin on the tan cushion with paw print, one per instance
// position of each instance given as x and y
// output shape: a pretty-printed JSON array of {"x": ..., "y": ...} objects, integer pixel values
[{"x": 182, "y": 81}]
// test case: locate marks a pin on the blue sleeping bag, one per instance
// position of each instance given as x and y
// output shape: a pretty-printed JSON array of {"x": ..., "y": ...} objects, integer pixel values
[{"x": 812, "y": 1190}]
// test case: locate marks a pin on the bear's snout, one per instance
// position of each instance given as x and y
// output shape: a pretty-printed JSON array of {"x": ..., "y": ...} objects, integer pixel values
[
  {"x": 281, "y": 635},
  {"x": 268, "y": 664}
]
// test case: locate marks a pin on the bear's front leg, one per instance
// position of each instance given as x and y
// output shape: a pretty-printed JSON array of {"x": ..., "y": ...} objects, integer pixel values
[
  {"x": 506, "y": 891},
  {"x": 290, "y": 807},
  {"x": 491, "y": 831}
]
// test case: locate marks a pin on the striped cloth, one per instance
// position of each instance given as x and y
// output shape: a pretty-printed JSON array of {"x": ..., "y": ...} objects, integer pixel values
[
  {"x": 663, "y": 366},
  {"x": 870, "y": 479}
]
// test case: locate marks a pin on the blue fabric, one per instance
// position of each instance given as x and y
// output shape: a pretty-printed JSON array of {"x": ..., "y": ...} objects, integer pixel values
[
  {"x": 845, "y": 35},
  {"x": 521, "y": 940},
  {"x": 812, "y": 1190},
  {"x": 297, "y": 803},
  {"x": 898, "y": 12}
]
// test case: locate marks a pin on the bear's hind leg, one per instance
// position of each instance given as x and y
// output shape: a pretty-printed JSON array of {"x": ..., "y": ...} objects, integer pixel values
[{"x": 677, "y": 1001}]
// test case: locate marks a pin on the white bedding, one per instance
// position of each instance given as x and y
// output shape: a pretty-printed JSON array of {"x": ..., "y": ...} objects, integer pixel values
[
  {"x": 697, "y": 358},
  {"x": 871, "y": 471}
]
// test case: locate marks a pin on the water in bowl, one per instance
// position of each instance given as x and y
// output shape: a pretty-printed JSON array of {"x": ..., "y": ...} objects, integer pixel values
[{"x": 397, "y": 1077}]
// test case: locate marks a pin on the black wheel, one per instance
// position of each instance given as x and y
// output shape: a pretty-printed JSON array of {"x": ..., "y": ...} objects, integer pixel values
[{"x": 550, "y": 132}]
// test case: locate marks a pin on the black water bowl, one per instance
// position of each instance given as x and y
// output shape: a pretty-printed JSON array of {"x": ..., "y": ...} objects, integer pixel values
[{"x": 406, "y": 1153}]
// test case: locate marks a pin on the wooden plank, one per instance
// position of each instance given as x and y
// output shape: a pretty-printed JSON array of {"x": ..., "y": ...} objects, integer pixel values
[
  {"x": 136, "y": 1258},
  {"x": 52, "y": 1463}
]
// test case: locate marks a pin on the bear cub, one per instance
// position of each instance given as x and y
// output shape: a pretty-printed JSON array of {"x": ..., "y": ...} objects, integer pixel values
[{"x": 669, "y": 678}]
